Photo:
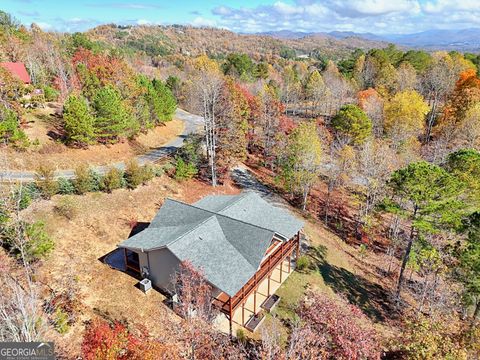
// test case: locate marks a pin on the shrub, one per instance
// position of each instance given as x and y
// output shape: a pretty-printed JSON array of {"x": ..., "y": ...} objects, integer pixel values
[
  {"x": 45, "y": 181},
  {"x": 97, "y": 179},
  {"x": 61, "y": 321},
  {"x": 303, "y": 263},
  {"x": 241, "y": 337},
  {"x": 183, "y": 170},
  {"x": 29, "y": 240},
  {"x": 24, "y": 195},
  {"x": 133, "y": 174},
  {"x": 50, "y": 93},
  {"x": 83, "y": 181},
  {"x": 112, "y": 180},
  {"x": 65, "y": 186},
  {"x": 66, "y": 207},
  {"x": 136, "y": 175},
  {"x": 10, "y": 128}
]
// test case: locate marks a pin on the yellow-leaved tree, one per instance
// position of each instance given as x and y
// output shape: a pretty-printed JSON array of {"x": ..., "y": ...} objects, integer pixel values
[{"x": 405, "y": 117}]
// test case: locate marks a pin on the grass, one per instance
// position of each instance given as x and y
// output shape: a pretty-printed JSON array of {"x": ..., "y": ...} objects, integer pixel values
[{"x": 333, "y": 269}]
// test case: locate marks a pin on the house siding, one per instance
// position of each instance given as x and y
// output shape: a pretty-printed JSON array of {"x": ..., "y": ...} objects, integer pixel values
[{"x": 163, "y": 265}]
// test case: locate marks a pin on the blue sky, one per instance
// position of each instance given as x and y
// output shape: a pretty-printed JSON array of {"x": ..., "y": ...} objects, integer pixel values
[{"x": 377, "y": 16}]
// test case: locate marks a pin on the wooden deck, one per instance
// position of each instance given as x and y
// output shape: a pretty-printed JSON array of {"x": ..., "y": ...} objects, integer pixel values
[{"x": 228, "y": 305}]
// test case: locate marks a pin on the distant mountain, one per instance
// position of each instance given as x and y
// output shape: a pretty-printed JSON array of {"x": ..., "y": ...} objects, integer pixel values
[
  {"x": 286, "y": 34},
  {"x": 462, "y": 40},
  {"x": 465, "y": 39}
]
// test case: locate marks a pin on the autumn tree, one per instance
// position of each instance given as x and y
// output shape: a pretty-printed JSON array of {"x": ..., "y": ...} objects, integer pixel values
[
  {"x": 291, "y": 88},
  {"x": 405, "y": 116},
  {"x": 371, "y": 103},
  {"x": 437, "y": 82},
  {"x": 233, "y": 115},
  {"x": 301, "y": 166},
  {"x": 315, "y": 91},
  {"x": 332, "y": 329},
  {"x": 465, "y": 94},
  {"x": 339, "y": 168},
  {"x": 352, "y": 125},
  {"x": 428, "y": 196}
]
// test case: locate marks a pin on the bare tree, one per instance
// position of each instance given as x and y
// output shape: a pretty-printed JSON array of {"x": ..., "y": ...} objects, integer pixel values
[
  {"x": 437, "y": 82},
  {"x": 205, "y": 93}
]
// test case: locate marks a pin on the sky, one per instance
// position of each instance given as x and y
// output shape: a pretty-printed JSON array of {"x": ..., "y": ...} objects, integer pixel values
[{"x": 250, "y": 16}]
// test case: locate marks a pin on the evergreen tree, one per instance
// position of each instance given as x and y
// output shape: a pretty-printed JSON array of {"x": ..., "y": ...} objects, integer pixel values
[
  {"x": 114, "y": 118},
  {"x": 78, "y": 121},
  {"x": 470, "y": 264},
  {"x": 352, "y": 124},
  {"x": 428, "y": 196},
  {"x": 165, "y": 103}
]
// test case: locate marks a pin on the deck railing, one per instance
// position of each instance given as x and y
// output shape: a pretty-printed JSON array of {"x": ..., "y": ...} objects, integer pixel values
[{"x": 279, "y": 255}]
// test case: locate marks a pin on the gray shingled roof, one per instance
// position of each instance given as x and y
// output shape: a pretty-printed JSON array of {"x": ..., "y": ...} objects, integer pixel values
[{"x": 224, "y": 235}]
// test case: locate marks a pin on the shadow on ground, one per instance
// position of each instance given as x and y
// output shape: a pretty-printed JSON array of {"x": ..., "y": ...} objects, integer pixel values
[{"x": 371, "y": 298}]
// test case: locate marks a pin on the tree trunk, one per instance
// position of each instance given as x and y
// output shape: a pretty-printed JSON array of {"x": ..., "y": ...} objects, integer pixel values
[
  {"x": 476, "y": 313},
  {"x": 327, "y": 206},
  {"x": 305, "y": 195},
  {"x": 408, "y": 250},
  {"x": 431, "y": 119}
]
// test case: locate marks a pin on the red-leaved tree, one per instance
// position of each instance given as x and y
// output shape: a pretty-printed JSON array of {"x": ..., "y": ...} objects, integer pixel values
[{"x": 332, "y": 329}]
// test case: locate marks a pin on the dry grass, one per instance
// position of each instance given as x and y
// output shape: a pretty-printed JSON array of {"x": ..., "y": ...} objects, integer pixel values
[{"x": 41, "y": 123}]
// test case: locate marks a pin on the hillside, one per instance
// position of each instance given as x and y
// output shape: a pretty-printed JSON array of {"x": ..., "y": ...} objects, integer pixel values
[
  {"x": 459, "y": 40},
  {"x": 161, "y": 40}
]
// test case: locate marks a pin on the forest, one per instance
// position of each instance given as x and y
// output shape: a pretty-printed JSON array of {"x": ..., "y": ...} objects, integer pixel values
[{"x": 376, "y": 145}]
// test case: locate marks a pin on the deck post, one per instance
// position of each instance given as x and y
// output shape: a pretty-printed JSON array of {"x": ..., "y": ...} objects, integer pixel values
[
  {"x": 268, "y": 286},
  {"x": 298, "y": 246},
  {"x": 289, "y": 260},
  {"x": 281, "y": 264},
  {"x": 230, "y": 315}
]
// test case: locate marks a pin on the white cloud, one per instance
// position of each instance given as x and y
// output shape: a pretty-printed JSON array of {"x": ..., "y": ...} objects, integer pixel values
[
  {"x": 143, "y": 22},
  {"x": 377, "y": 16},
  {"x": 44, "y": 26},
  {"x": 201, "y": 21}
]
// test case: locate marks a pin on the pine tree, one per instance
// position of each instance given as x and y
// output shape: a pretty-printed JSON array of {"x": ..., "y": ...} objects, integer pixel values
[
  {"x": 114, "y": 118},
  {"x": 165, "y": 102},
  {"x": 352, "y": 124},
  {"x": 79, "y": 122}
]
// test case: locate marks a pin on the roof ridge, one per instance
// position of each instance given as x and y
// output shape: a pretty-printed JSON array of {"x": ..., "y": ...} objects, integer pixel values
[
  {"x": 193, "y": 228},
  {"x": 228, "y": 217},
  {"x": 240, "y": 196}
]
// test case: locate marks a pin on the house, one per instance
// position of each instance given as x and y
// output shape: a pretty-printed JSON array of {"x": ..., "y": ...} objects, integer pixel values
[
  {"x": 18, "y": 70},
  {"x": 242, "y": 244}
]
